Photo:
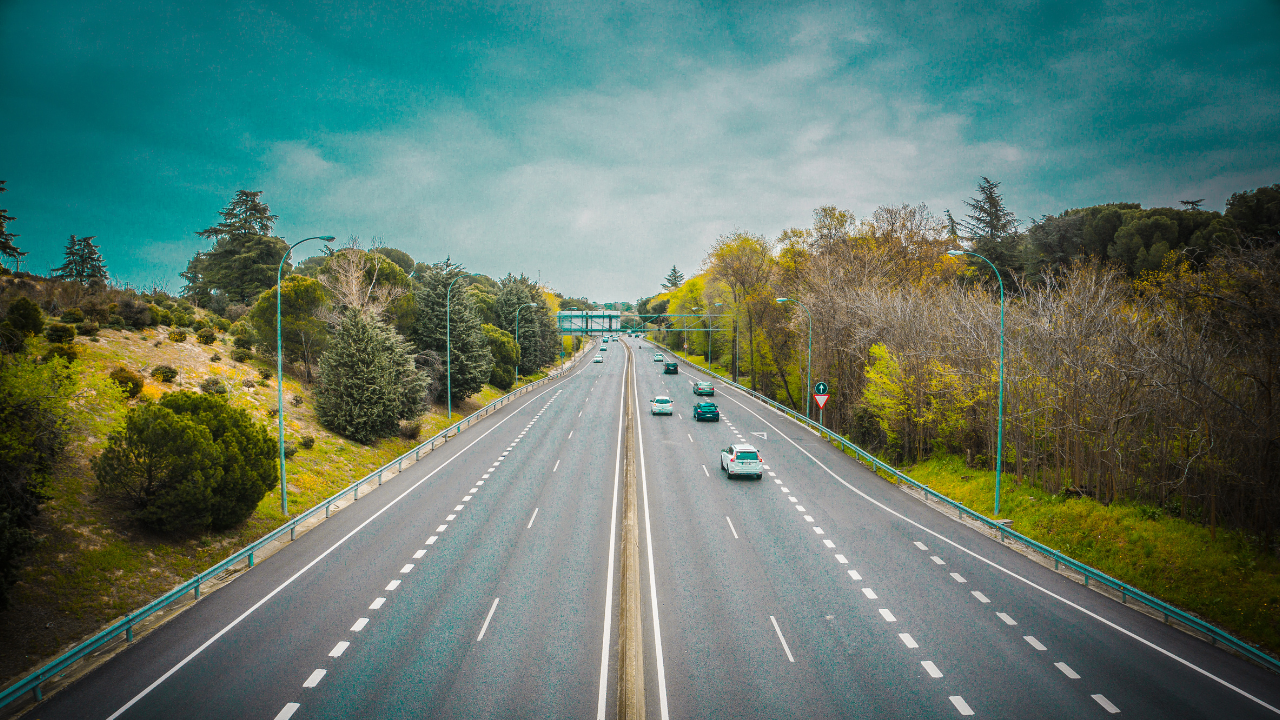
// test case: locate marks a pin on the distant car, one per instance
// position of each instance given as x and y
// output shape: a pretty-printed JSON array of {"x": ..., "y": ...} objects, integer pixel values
[
  {"x": 599, "y": 358},
  {"x": 659, "y": 357},
  {"x": 604, "y": 340},
  {"x": 742, "y": 460},
  {"x": 703, "y": 388},
  {"x": 661, "y": 405},
  {"x": 706, "y": 411},
  {"x": 603, "y": 349},
  {"x": 671, "y": 369}
]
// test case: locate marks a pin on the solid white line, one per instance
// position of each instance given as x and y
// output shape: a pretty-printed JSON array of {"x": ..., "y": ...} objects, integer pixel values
[
  {"x": 735, "y": 532},
  {"x": 932, "y": 669},
  {"x": 981, "y": 598},
  {"x": 960, "y": 704},
  {"x": 1010, "y": 573},
  {"x": 1066, "y": 670},
  {"x": 1007, "y": 620},
  {"x": 314, "y": 680},
  {"x": 359, "y": 624},
  {"x": 557, "y": 467},
  {"x": 653, "y": 580},
  {"x": 908, "y": 640},
  {"x": 704, "y": 471},
  {"x": 535, "y": 514},
  {"x": 394, "y": 583},
  {"x": 1106, "y": 704},
  {"x": 290, "y": 708},
  {"x": 888, "y": 616},
  {"x": 340, "y": 648},
  {"x": 377, "y": 603},
  {"x": 608, "y": 587},
  {"x": 780, "y": 638},
  {"x": 145, "y": 691},
  {"x": 487, "y": 618}
]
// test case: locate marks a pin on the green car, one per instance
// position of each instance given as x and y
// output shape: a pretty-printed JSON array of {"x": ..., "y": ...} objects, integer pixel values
[
  {"x": 706, "y": 411},
  {"x": 703, "y": 388},
  {"x": 671, "y": 369}
]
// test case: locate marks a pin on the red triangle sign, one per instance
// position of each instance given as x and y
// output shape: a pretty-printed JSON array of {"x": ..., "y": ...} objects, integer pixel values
[{"x": 821, "y": 400}]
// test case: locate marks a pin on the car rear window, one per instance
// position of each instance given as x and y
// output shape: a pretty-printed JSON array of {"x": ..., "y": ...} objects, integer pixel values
[
  {"x": 662, "y": 401},
  {"x": 747, "y": 456}
]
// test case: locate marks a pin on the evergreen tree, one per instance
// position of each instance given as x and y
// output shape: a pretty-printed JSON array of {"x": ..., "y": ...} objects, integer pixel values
[
  {"x": 506, "y": 355},
  {"x": 674, "y": 279},
  {"x": 82, "y": 261},
  {"x": 539, "y": 336},
  {"x": 245, "y": 256},
  {"x": 471, "y": 361},
  {"x": 993, "y": 229},
  {"x": 368, "y": 382},
  {"x": 7, "y": 248},
  {"x": 303, "y": 333}
]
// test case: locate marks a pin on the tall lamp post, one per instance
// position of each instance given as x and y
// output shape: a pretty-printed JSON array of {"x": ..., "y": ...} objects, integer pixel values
[
  {"x": 284, "y": 490},
  {"x": 448, "y": 343},
  {"x": 704, "y": 320},
  {"x": 808, "y": 382},
  {"x": 518, "y": 337},
  {"x": 1000, "y": 421}
]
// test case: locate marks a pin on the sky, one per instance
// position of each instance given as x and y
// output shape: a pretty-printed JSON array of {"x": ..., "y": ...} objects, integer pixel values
[{"x": 594, "y": 145}]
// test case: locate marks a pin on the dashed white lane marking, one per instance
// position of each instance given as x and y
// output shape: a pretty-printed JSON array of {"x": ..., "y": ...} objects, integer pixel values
[
  {"x": 854, "y": 574},
  {"x": 957, "y": 577},
  {"x": 689, "y": 436},
  {"x": 340, "y": 648},
  {"x": 486, "y": 476},
  {"x": 1106, "y": 704},
  {"x": 828, "y": 543},
  {"x": 457, "y": 508},
  {"x": 570, "y": 435},
  {"x": 908, "y": 640},
  {"x": 450, "y": 517},
  {"x": 467, "y": 498},
  {"x": 1034, "y": 642},
  {"x": 417, "y": 555},
  {"x": 888, "y": 616},
  {"x": 1007, "y": 620},
  {"x": 377, "y": 603},
  {"x": 921, "y": 545},
  {"x": 408, "y": 567},
  {"x": 1066, "y": 670},
  {"x": 932, "y": 669},
  {"x": 487, "y": 618},
  {"x": 960, "y": 704},
  {"x": 579, "y": 413},
  {"x": 790, "y": 497},
  {"x": 475, "y": 490},
  {"x": 557, "y": 467},
  {"x": 772, "y": 474},
  {"x": 799, "y": 507},
  {"x": 314, "y": 680},
  {"x": 841, "y": 559},
  {"x": 290, "y": 708},
  {"x": 980, "y": 596},
  {"x": 735, "y": 532},
  {"x": 480, "y": 482},
  {"x": 808, "y": 518},
  {"x": 818, "y": 530},
  {"x": 937, "y": 560},
  {"x": 781, "y": 639},
  {"x": 531, "y": 519},
  {"x": 392, "y": 585},
  {"x": 432, "y": 540},
  {"x": 491, "y": 470},
  {"x": 359, "y": 624},
  {"x": 871, "y": 594},
  {"x": 783, "y": 489}
]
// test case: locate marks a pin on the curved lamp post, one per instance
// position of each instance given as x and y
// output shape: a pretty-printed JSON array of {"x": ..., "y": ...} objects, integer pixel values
[
  {"x": 448, "y": 343},
  {"x": 808, "y": 382},
  {"x": 1000, "y": 421},
  {"x": 518, "y": 309},
  {"x": 284, "y": 497}
]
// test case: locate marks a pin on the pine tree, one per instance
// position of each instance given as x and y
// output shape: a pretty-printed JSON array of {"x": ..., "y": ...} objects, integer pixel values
[
  {"x": 674, "y": 279},
  {"x": 7, "y": 248},
  {"x": 82, "y": 261},
  {"x": 993, "y": 229},
  {"x": 471, "y": 361},
  {"x": 539, "y": 335},
  {"x": 368, "y": 382},
  {"x": 245, "y": 256}
]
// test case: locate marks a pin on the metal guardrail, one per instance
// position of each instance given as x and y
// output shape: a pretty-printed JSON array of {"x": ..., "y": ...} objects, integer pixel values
[
  {"x": 1127, "y": 592},
  {"x": 125, "y": 625}
]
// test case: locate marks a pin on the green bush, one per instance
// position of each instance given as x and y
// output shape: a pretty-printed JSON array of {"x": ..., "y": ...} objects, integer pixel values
[
  {"x": 177, "y": 335},
  {"x": 241, "y": 329},
  {"x": 410, "y": 430},
  {"x": 206, "y": 336},
  {"x": 71, "y": 316},
  {"x": 222, "y": 324},
  {"x": 115, "y": 322},
  {"x": 307, "y": 442},
  {"x": 59, "y": 333},
  {"x": 181, "y": 319},
  {"x": 88, "y": 328},
  {"x": 65, "y": 351},
  {"x": 25, "y": 317},
  {"x": 215, "y": 358},
  {"x": 244, "y": 342},
  {"x": 127, "y": 379},
  {"x": 213, "y": 386},
  {"x": 161, "y": 315},
  {"x": 189, "y": 463},
  {"x": 290, "y": 450},
  {"x": 135, "y": 314},
  {"x": 241, "y": 355},
  {"x": 264, "y": 373},
  {"x": 199, "y": 325},
  {"x": 164, "y": 373}
]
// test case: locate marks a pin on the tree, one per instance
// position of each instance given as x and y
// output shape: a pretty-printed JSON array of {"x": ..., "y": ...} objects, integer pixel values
[
  {"x": 303, "y": 332},
  {"x": 1256, "y": 213},
  {"x": 399, "y": 257},
  {"x": 539, "y": 335},
  {"x": 993, "y": 229},
  {"x": 82, "y": 261},
  {"x": 245, "y": 256},
  {"x": 25, "y": 317},
  {"x": 471, "y": 361},
  {"x": 7, "y": 248},
  {"x": 506, "y": 356},
  {"x": 674, "y": 279},
  {"x": 369, "y": 283},
  {"x": 368, "y": 382}
]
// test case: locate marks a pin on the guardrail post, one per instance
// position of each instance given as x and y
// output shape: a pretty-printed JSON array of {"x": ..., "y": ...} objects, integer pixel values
[
  {"x": 326, "y": 510},
  {"x": 250, "y": 559},
  {"x": 293, "y": 532},
  {"x": 355, "y": 491},
  {"x": 1086, "y": 579},
  {"x": 128, "y": 634},
  {"x": 197, "y": 587},
  {"x": 36, "y": 692}
]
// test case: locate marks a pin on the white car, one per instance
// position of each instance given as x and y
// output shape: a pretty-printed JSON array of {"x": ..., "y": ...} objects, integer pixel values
[
  {"x": 599, "y": 358},
  {"x": 661, "y": 405},
  {"x": 742, "y": 460}
]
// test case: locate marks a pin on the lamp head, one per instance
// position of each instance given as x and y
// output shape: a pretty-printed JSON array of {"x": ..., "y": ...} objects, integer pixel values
[
  {"x": 954, "y": 253},
  {"x": 782, "y": 300}
]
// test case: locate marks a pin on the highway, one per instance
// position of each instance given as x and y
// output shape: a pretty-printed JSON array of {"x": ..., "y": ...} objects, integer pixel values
[{"x": 483, "y": 582}]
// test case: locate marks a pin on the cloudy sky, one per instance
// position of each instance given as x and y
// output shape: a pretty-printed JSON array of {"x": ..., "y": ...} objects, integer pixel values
[{"x": 597, "y": 144}]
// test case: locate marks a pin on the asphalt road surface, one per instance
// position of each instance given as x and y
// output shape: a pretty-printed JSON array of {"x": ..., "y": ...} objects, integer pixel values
[{"x": 483, "y": 582}]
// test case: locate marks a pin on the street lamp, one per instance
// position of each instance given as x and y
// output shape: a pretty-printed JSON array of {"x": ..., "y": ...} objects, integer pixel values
[
  {"x": 1000, "y": 421},
  {"x": 284, "y": 492},
  {"x": 518, "y": 337},
  {"x": 709, "y": 337},
  {"x": 448, "y": 343},
  {"x": 809, "y": 360}
]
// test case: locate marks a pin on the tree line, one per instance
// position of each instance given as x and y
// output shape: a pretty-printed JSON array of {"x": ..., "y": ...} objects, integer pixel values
[{"x": 1141, "y": 344}]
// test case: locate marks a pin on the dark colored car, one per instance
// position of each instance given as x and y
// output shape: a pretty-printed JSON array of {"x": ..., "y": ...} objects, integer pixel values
[
  {"x": 671, "y": 369},
  {"x": 706, "y": 411},
  {"x": 703, "y": 388}
]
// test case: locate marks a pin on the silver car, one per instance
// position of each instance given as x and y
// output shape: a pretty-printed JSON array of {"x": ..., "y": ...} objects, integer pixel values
[
  {"x": 661, "y": 405},
  {"x": 742, "y": 460}
]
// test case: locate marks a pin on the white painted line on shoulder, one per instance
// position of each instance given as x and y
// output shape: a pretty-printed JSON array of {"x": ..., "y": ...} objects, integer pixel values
[
  {"x": 487, "y": 618},
  {"x": 406, "y": 568},
  {"x": 731, "y": 529},
  {"x": 1007, "y": 620},
  {"x": 957, "y": 577},
  {"x": 1034, "y": 642},
  {"x": 377, "y": 603},
  {"x": 854, "y": 574},
  {"x": 937, "y": 560},
  {"x": 314, "y": 680},
  {"x": 921, "y": 545},
  {"x": 818, "y": 530},
  {"x": 417, "y": 555},
  {"x": 1066, "y": 670},
  {"x": 340, "y": 648},
  {"x": 531, "y": 519},
  {"x": 908, "y": 640},
  {"x": 932, "y": 669},
  {"x": 828, "y": 543},
  {"x": 432, "y": 540},
  {"x": 394, "y": 583},
  {"x": 871, "y": 594},
  {"x": 290, "y": 708},
  {"x": 841, "y": 559},
  {"x": 888, "y": 616},
  {"x": 960, "y": 704},
  {"x": 359, "y": 624},
  {"x": 808, "y": 518},
  {"x": 781, "y": 639},
  {"x": 1106, "y": 704},
  {"x": 981, "y": 597}
]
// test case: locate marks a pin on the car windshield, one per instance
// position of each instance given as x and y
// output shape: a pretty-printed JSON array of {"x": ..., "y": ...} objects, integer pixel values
[
  {"x": 662, "y": 401},
  {"x": 746, "y": 456}
]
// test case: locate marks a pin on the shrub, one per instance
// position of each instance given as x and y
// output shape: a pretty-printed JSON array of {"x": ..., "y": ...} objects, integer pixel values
[
  {"x": 185, "y": 306},
  {"x": 222, "y": 324},
  {"x": 177, "y": 335},
  {"x": 206, "y": 336},
  {"x": 189, "y": 463},
  {"x": 199, "y": 325},
  {"x": 134, "y": 313},
  {"x": 213, "y": 386},
  {"x": 161, "y": 315},
  {"x": 88, "y": 328},
  {"x": 241, "y": 329},
  {"x": 240, "y": 355},
  {"x": 64, "y": 351},
  {"x": 307, "y": 442},
  {"x": 235, "y": 311},
  {"x": 244, "y": 342},
  {"x": 72, "y": 316},
  {"x": 181, "y": 319},
  {"x": 290, "y": 450},
  {"x": 297, "y": 400},
  {"x": 273, "y": 412},
  {"x": 127, "y": 379},
  {"x": 248, "y": 383},
  {"x": 157, "y": 343},
  {"x": 410, "y": 430},
  {"x": 115, "y": 322},
  {"x": 25, "y": 317},
  {"x": 164, "y": 373},
  {"x": 215, "y": 358},
  {"x": 59, "y": 333},
  {"x": 264, "y": 373}
]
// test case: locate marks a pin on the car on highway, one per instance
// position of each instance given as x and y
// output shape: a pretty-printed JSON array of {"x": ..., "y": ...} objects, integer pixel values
[
  {"x": 661, "y": 405},
  {"x": 671, "y": 369},
  {"x": 603, "y": 348},
  {"x": 706, "y": 411},
  {"x": 742, "y": 460},
  {"x": 659, "y": 357},
  {"x": 703, "y": 388},
  {"x": 599, "y": 358}
]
